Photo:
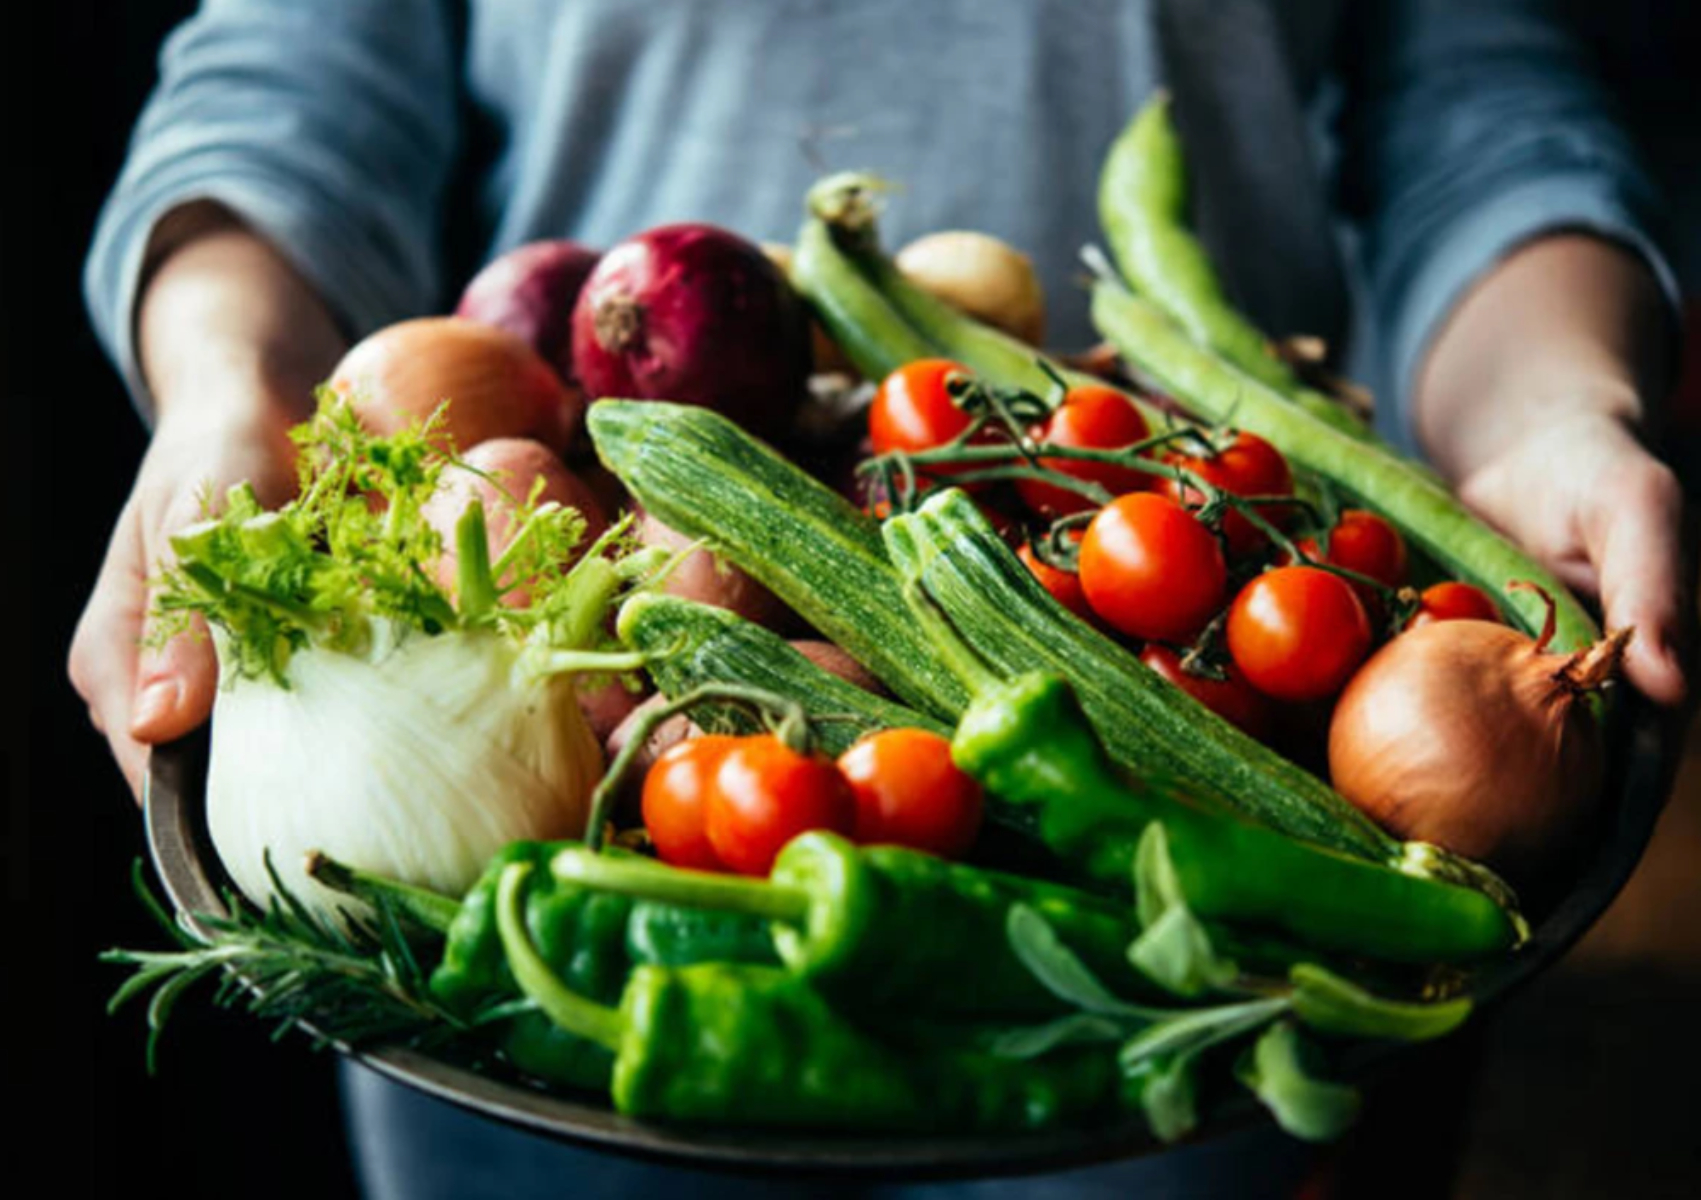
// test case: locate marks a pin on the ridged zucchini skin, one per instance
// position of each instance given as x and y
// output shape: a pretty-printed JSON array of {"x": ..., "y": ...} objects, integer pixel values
[
  {"x": 1149, "y": 726},
  {"x": 694, "y": 644},
  {"x": 704, "y": 476}
]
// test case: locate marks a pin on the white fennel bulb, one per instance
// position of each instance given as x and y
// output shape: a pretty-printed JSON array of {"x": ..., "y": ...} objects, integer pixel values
[
  {"x": 419, "y": 762},
  {"x": 369, "y": 712}
]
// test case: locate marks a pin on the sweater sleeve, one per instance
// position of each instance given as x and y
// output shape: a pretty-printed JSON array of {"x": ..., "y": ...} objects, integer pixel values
[
  {"x": 1471, "y": 127},
  {"x": 327, "y": 126}
]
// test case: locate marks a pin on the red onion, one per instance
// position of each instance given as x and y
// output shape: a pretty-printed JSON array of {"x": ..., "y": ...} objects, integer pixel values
[
  {"x": 697, "y": 315},
  {"x": 530, "y": 292}
]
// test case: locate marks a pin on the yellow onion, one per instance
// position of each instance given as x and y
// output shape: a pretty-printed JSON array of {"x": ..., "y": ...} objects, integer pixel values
[
  {"x": 499, "y": 386},
  {"x": 981, "y": 276},
  {"x": 1474, "y": 736}
]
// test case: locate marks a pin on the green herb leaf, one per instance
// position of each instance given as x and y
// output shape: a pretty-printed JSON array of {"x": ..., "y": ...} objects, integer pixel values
[
  {"x": 352, "y": 560},
  {"x": 1326, "y": 1002},
  {"x": 1174, "y": 948},
  {"x": 1062, "y": 972},
  {"x": 1165, "y": 1090},
  {"x": 289, "y": 966},
  {"x": 1280, "y": 1069},
  {"x": 1193, "y": 1031},
  {"x": 1075, "y": 1029}
]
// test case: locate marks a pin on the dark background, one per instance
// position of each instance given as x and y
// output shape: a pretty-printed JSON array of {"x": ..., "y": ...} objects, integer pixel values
[{"x": 228, "y": 1112}]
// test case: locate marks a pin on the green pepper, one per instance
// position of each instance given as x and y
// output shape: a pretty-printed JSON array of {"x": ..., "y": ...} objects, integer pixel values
[
  {"x": 1027, "y": 741},
  {"x": 592, "y": 939},
  {"x": 742, "y": 1043},
  {"x": 883, "y": 927}
]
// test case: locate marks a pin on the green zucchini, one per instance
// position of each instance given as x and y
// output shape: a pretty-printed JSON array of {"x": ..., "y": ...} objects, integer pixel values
[
  {"x": 701, "y": 474},
  {"x": 1374, "y": 478},
  {"x": 1150, "y": 727},
  {"x": 693, "y": 644},
  {"x": 865, "y": 301},
  {"x": 873, "y": 336}
]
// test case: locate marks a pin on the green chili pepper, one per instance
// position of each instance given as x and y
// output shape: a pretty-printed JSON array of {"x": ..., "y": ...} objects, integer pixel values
[
  {"x": 883, "y": 927},
  {"x": 591, "y": 939},
  {"x": 1028, "y": 741},
  {"x": 741, "y": 1043}
]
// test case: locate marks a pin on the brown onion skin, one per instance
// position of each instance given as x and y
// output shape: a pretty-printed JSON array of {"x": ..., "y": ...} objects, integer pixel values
[
  {"x": 696, "y": 315},
  {"x": 496, "y": 385},
  {"x": 1466, "y": 734},
  {"x": 702, "y": 577},
  {"x": 514, "y": 463},
  {"x": 530, "y": 291}
]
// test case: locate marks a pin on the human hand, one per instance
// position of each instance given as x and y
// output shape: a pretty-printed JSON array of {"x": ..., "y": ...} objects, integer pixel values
[
  {"x": 138, "y": 696},
  {"x": 1532, "y": 401},
  {"x": 232, "y": 341},
  {"x": 1587, "y": 499}
]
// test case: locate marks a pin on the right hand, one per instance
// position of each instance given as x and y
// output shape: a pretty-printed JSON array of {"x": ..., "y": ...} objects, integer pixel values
[
  {"x": 137, "y": 696},
  {"x": 232, "y": 341}
]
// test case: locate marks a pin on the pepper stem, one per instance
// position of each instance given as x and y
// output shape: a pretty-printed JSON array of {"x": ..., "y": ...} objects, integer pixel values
[
  {"x": 675, "y": 885},
  {"x": 564, "y": 1007}
]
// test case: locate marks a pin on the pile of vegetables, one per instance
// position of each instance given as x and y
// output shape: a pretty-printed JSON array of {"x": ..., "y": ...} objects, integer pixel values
[{"x": 1159, "y": 733}]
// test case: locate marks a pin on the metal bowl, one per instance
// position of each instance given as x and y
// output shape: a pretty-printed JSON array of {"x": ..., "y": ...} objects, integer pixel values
[{"x": 1645, "y": 752}]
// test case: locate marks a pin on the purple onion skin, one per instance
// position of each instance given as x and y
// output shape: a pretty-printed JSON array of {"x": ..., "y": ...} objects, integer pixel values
[
  {"x": 696, "y": 315},
  {"x": 530, "y": 291}
]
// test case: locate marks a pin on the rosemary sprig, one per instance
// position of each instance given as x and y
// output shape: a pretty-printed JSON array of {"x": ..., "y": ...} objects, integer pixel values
[{"x": 351, "y": 986}]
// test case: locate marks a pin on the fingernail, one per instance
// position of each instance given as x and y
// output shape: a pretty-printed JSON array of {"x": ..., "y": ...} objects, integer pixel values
[{"x": 155, "y": 702}]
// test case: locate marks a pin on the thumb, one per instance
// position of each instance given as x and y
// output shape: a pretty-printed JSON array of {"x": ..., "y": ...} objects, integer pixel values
[
  {"x": 1636, "y": 541},
  {"x": 175, "y": 684}
]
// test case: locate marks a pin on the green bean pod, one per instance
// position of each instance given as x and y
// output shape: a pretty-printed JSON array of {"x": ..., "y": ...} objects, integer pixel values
[
  {"x": 1143, "y": 211},
  {"x": 1372, "y": 477}
]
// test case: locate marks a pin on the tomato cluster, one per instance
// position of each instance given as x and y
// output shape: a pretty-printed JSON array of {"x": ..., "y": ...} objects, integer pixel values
[
  {"x": 1220, "y": 611},
  {"x": 718, "y": 803}
]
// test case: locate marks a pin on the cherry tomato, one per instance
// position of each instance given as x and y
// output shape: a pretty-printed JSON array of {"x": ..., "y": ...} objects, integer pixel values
[
  {"x": 1363, "y": 542},
  {"x": 1150, "y": 570},
  {"x": 674, "y": 801},
  {"x": 1453, "y": 601},
  {"x": 1298, "y": 633},
  {"x": 1248, "y": 466},
  {"x": 764, "y": 794},
  {"x": 1232, "y": 699},
  {"x": 1064, "y": 586},
  {"x": 909, "y": 792},
  {"x": 912, "y": 410},
  {"x": 1090, "y": 418}
]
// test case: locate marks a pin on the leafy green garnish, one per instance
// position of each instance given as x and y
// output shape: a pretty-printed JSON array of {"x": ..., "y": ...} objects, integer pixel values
[
  {"x": 1281, "y": 1069},
  {"x": 1174, "y": 947},
  {"x": 353, "y": 558},
  {"x": 355, "y": 983}
]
